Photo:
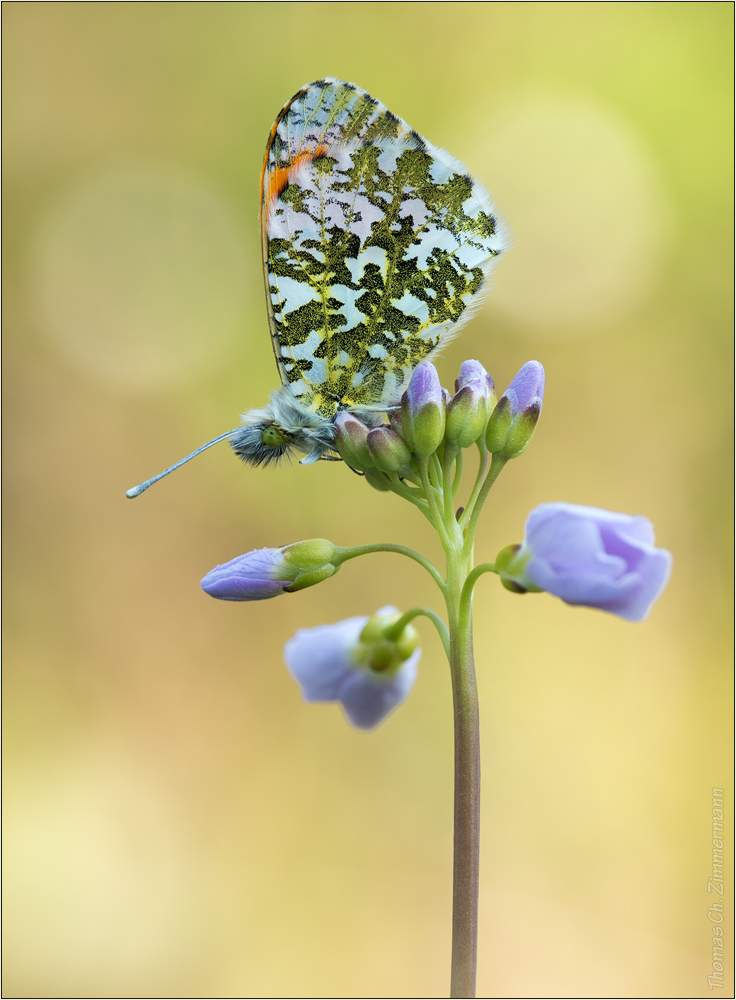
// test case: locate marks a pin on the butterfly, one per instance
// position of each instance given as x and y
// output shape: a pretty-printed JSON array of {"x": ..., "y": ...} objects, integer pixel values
[{"x": 376, "y": 247}]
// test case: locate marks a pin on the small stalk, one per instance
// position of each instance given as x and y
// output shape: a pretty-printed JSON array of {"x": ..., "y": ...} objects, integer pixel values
[{"x": 467, "y": 785}]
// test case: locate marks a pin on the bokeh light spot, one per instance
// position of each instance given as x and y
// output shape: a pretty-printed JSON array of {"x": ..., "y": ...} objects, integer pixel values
[
  {"x": 140, "y": 276},
  {"x": 587, "y": 213}
]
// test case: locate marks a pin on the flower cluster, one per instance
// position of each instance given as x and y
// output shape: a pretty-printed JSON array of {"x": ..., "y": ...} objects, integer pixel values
[
  {"x": 429, "y": 418},
  {"x": 584, "y": 555}
]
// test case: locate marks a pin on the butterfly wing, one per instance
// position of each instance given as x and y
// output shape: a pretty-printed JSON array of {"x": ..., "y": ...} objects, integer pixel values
[{"x": 375, "y": 243}]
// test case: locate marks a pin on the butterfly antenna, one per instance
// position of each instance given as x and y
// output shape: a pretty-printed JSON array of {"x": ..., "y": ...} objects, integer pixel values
[{"x": 137, "y": 490}]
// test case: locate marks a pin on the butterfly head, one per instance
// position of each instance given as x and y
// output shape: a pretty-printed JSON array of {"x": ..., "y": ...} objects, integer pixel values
[{"x": 282, "y": 429}]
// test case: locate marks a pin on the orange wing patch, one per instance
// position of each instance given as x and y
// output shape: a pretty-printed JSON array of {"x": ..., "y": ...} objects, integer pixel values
[{"x": 280, "y": 178}]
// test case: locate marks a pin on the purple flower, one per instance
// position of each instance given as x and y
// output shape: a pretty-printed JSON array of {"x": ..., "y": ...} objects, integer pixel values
[
  {"x": 516, "y": 414},
  {"x": 266, "y": 573},
  {"x": 423, "y": 411},
  {"x": 592, "y": 557},
  {"x": 354, "y": 663}
]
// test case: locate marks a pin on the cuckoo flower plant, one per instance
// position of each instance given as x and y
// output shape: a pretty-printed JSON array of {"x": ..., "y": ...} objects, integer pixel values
[{"x": 584, "y": 555}]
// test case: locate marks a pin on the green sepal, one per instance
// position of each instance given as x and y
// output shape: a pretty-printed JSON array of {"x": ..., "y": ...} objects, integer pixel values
[
  {"x": 377, "y": 651},
  {"x": 308, "y": 554},
  {"x": 309, "y": 577},
  {"x": 467, "y": 414},
  {"x": 388, "y": 449},
  {"x": 498, "y": 426},
  {"x": 309, "y": 562},
  {"x": 377, "y": 480},
  {"x": 506, "y": 556},
  {"x": 429, "y": 429},
  {"x": 351, "y": 444},
  {"x": 521, "y": 430},
  {"x": 511, "y": 563}
]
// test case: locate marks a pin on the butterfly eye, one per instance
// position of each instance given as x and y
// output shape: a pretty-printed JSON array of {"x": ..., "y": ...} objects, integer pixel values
[{"x": 273, "y": 436}]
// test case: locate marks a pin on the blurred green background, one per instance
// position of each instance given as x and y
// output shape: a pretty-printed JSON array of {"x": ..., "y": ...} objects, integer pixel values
[{"x": 178, "y": 823}]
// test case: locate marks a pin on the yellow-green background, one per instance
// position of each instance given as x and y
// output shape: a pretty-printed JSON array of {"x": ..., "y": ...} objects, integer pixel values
[{"x": 178, "y": 823}]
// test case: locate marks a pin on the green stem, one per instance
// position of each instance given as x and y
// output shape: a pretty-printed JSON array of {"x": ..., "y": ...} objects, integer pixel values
[
  {"x": 451, "y": 450},
  {"x": 458, "y": 473},
  {"x": 473, "y": 577},
  {"x": 470, "y": 505},
  {"x": 403, "y": 550},
  {"x": 461, "y": 578},
  {"x": 457, "y": 540},
  {"x": 398, "y": 627},
  {"x": 467, "y": 783},
  {"x": 408, "y": 493},
  {"x": 497, "y": 463},
  {"x": 415, "y": 494},
  {"x": 431, "y": 495},
  {"x": 435, "y": 469}
]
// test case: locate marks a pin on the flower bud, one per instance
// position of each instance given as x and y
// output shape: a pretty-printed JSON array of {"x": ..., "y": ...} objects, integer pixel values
[
  {"x": 469, "y": 408},
  {"x": 351, "y": 441},
  {"x": 377, "y": 480},
  {"x": 512, "y": 422},
  {"x": 388, "y": 450},
  {"x": 423, "y": 411},
  {"x": 266, "y": 573}
]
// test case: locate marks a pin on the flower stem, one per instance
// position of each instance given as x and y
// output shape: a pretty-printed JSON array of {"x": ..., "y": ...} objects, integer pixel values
[
  {"x": 430, "y": 492},
  {"x": 395, "y": 630},
  {"x": 402, "y": 550},
  {"x": 483, "y": 465},
  {"x": 459, "y": 598},
  {"x": 473, "y": 577},
  {"x": 467, "y": 787},
  {"x": 497, "y": 464},
  {"x": 457, "y": 538}
]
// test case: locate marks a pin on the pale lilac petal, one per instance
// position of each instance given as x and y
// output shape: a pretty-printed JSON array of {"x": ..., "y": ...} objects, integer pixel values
[
  {"x": 323, "y": 662},
  {"x": 424, "y": 387},
  {"x": 596, "y": 558},
  {"x": 368, "y": 698},
  {"x": 319, "y": 658},
  {"x": 473, "y": 373},
  {"x": 249, "y": 577},
  {"x": 526, "y": 387}
]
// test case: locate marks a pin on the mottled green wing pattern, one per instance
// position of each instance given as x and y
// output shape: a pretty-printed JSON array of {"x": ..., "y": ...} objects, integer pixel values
[{"x": 377, "y": 244}]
